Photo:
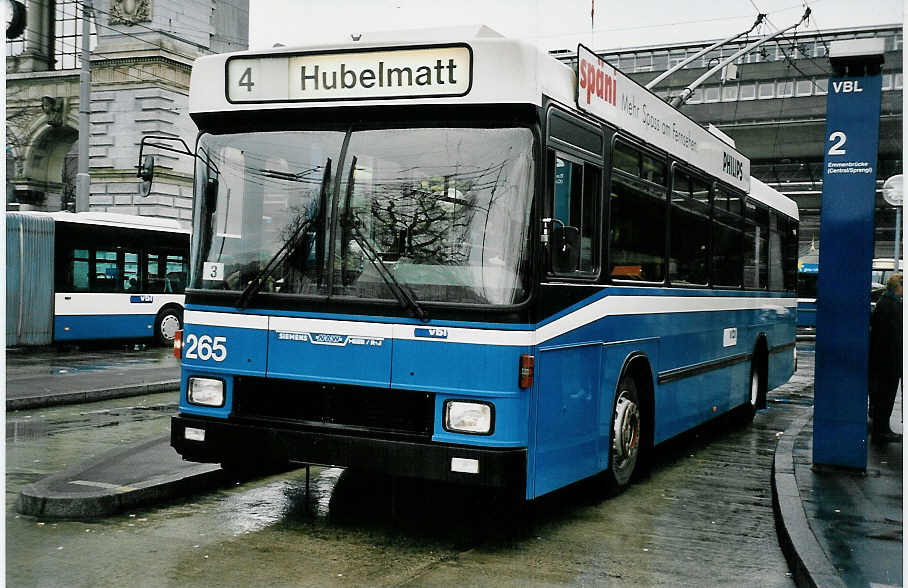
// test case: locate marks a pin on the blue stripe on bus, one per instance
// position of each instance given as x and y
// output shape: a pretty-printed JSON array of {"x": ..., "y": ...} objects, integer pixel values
[
  {"x": 337, "y": 359},
  {"x": 109, "y": 326},
  {"x": 807, "y": 314},
  {"x": 245, "y": 350}
]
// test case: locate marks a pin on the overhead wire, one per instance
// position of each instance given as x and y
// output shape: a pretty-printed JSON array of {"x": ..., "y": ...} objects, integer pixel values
[
  {"x": 81, "y": 5},
  {"x": 788, "y": 59},
  {"x": 143, "y": 40},
  {"x": 153, "y": 30},
  {"x": 652, "y": 26},
  {"x": 107, "y": 57}
]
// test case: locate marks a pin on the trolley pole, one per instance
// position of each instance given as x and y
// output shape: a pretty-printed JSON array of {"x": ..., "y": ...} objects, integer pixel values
[
  {"x": 83, "y": 180},
  {"x": 679, "y": 100},
  {"x": 701, "y": 53}
]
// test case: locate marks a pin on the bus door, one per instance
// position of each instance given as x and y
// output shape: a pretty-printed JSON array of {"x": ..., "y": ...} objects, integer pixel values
[{"x": 568, "y": 371}]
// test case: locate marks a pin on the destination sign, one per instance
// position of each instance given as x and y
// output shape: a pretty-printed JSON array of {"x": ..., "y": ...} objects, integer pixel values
[
  {"x": 610, "y": 95},
  {"x": 353, "y": 75}
]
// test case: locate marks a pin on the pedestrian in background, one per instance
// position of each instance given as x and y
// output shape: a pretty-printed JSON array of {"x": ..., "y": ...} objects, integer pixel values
[{"x": 885, "y": 359}]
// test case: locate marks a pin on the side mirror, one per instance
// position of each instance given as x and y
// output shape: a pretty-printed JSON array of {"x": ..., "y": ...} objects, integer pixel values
[
  {"x": 145, "y": 168},
  {"x": 565, "y": 249},
  {"x": 146, "y": 174}
]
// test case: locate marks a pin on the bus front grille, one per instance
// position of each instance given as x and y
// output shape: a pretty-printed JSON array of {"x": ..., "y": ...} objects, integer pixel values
[{"x": 352, "y": 409}]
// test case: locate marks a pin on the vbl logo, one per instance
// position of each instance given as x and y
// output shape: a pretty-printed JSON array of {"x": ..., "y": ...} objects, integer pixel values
[
  {"x": 432, "y": 332},
  {"x": 847, "y": 87}
]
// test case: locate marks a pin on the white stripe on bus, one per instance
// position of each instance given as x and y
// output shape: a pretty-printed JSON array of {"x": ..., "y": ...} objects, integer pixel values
[
  {"x": 225, "y": 319},
  {"x": 99, "y": 303},
  {"x": 310, "y": 325},
  {"x": 608, "y": 306},
  {"x": 637, "y": 305}
]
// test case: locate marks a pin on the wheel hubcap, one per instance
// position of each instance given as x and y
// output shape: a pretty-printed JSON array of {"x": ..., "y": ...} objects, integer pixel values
[
  {"x": 754, "y": 389},
  {"x": 627, "y": 429},
  {"x": 169, "y": 326}
]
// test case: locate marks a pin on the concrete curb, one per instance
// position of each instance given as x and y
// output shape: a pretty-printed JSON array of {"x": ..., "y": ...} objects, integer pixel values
[
  {"x": 50, "y": 399},
  {"x": 809, "y": 564},
  {"x": 41, "y": 500}
]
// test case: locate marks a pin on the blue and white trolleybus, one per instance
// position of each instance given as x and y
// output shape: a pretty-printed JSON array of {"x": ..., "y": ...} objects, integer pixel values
[{"x": 456, "y": 258}]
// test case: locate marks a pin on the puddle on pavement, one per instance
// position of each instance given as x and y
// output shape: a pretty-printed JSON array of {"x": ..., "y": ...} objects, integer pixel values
[
  {"x": 26, "y": 430},
  {"x": 30, "y": 428},
  {"x": 75, "y": 369}
]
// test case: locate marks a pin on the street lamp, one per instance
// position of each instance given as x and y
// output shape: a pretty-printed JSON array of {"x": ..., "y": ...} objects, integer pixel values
[{"x": 892, "y": 194}]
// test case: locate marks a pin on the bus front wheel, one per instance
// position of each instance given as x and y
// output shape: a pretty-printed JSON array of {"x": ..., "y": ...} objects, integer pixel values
[
  {"x": 168, "y": 321},
  {"x": 627, "y": 435}
]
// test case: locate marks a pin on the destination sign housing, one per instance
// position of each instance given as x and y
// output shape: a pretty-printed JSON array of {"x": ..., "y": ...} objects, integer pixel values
[
  {"x": 351, "y": 75},
  {"x": 610, "y": 95}
]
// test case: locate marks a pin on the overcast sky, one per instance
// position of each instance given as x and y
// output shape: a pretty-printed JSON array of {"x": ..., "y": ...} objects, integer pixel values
[{"x": 556, "y": 24}]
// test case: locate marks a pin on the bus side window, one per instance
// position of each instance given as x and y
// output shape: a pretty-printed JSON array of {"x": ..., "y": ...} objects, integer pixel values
[
  {"x": 728, "y": 244},
  {"x": 756, "y": 246},
  {"x": 107, "y": 272},
  {"x": 789, "y": 228},
  {"x": 575, "y": 243},
  {"x": 131, "y": 272},
  {"x": 175, "y": 279},
  {"x": 79, "y": 273},
  {"x": 776, "y": 277},
  {"x": 690, "y": 230},
  {"x": 637, "y": 216}
]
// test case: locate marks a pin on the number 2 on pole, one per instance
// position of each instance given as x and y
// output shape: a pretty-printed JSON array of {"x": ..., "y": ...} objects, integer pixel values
[{"x": 246, "y": 79}]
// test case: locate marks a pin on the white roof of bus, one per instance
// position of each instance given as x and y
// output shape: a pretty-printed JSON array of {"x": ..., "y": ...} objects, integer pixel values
[
  {"x": 773, "y": 198},
  {"x": 885, "y": 263},
  {"x": 128, "y": 221},
  {"x": 505, "y": 71}
]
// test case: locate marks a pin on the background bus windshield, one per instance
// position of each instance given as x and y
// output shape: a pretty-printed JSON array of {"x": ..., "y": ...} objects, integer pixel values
[{"x": 442, "y": 212}]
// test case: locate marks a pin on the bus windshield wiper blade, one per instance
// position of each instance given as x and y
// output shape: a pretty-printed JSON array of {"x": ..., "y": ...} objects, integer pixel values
[
  {"x": 401, "y": 292},
  {"x": 350, "y": 225},
  {"x": 288, "y": 247},
  {"x": 285, "y": 175}
]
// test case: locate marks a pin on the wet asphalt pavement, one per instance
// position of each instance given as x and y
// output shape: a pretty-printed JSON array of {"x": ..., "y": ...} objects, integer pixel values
[
  {"x": 702, "y": 517},
  {"x": 37, "y": 377}
]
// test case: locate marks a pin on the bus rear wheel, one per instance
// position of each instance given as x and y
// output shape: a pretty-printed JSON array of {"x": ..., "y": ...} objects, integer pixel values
[
  {"x": 757, "y": 397},
  {"x": 627, "y": 435},
  {"x": 168, "y": 321}
]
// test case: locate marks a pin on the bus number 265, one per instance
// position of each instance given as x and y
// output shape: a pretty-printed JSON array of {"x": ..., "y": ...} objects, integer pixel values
[{"x": 206, "y": 347}]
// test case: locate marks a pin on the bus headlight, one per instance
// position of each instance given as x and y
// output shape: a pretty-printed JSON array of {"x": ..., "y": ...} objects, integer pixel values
[
  {"x": 206, "y": 391},
  {"x": 476, "y": 418}
]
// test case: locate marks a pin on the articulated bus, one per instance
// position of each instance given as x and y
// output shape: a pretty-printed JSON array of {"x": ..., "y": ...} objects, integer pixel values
[
  {"x": 808, "y": 274},
  {"x": 93, "y": 276},
  {"x": 455, "y": 258}
]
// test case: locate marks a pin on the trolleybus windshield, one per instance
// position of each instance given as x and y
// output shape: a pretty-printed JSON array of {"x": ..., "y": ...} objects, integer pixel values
[{"x": 440, "y": 212}]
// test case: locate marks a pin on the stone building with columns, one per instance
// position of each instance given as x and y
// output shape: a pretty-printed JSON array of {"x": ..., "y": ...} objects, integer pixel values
[{"x": 141, "y": 59}]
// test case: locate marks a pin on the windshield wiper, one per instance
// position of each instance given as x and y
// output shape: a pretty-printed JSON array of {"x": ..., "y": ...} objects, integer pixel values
[
  {"x": 350, "y": 224},
  {"x": 277, "y": 174},
  {"x": 289, "y": 246}
]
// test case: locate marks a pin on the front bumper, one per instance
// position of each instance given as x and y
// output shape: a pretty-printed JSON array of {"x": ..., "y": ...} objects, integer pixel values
[{"x": 240, "y": 441}]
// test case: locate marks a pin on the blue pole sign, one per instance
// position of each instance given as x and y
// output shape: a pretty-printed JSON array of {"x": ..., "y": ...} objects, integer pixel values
[{"x": 843, "y": 287}]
